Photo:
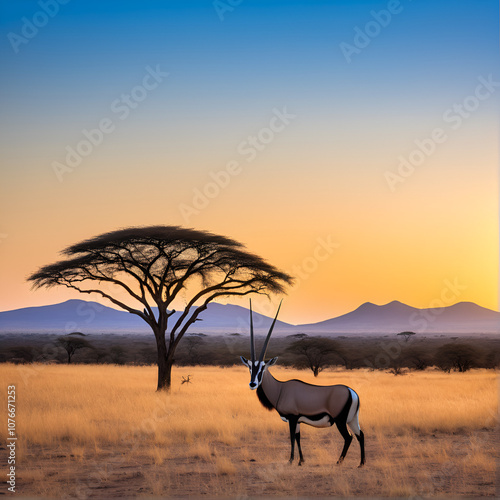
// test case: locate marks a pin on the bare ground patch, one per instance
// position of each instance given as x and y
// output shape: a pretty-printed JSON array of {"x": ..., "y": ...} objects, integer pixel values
[{"x": 439, "y": 464}]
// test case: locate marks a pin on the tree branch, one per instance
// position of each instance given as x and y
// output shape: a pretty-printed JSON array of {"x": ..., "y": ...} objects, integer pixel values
[
  {"x": 201, "y": 308},
  {"x": 69, "y": 284}
]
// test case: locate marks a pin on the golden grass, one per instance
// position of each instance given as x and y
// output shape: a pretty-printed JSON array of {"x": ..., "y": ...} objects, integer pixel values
[
  {"x": 106, "y": 404},
  {"x": 224, "y": 466},
  {"x": 212, "y": 436}
]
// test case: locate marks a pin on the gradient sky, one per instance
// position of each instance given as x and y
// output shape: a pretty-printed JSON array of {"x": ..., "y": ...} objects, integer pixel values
[{"x": 320, "y": 198}]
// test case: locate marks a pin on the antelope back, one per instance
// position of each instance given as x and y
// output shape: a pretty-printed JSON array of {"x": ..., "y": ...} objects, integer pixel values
[{"x": 301, "y": 398}]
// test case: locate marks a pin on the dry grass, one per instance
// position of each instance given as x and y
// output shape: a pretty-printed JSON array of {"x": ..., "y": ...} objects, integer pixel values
[{"x": 103, "y": 431}]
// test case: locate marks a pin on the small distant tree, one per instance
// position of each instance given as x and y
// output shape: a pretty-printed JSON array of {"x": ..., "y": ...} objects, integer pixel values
[
  {"x": 397, "y": 366},
  {"x": 351, "y": 356},
  {"x": 72, "y": 343},
  {"x": 458, "y": 357},
  {"x": 315, "y": 353},
  {"x": 406, "y": 335},
  {"x": 418, "y": 359}
]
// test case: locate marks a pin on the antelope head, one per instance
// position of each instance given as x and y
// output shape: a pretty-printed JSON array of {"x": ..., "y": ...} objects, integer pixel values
[{"x": 258, "y": 367}]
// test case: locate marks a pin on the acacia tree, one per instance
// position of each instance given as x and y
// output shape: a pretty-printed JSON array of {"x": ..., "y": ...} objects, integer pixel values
[
  {"x": 153, "y": 266},
  {"x": 406, "y": 335},
  {"x": 460, "y": 357},
  {"x": 71, "y": 343},
  {"x": 315, "y": 353}
]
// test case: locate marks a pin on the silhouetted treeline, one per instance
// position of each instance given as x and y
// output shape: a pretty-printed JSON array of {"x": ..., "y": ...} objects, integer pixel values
[{"x": 390, "y": 352}]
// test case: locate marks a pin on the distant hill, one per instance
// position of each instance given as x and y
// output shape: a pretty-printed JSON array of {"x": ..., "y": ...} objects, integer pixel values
[
  {"x": 92, "y": 317},
  {"x": 394, "y": 317}
]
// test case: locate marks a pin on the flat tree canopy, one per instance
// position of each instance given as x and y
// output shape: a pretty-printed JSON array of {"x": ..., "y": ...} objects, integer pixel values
[
  {"x": 153, "y": 266},
  {"x": 72, "y": 343},
  {"x": 315, "y": 353},
  {"x": 406, "y": 335}
]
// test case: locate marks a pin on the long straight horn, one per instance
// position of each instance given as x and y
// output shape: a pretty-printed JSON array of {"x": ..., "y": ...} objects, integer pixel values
[
  {"x": 252, "y": 342},
  {"x": 264, "y": 348}
]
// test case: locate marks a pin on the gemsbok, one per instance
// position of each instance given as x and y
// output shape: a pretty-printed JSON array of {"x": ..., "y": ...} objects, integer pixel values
[{"x": 298, "y": 402}]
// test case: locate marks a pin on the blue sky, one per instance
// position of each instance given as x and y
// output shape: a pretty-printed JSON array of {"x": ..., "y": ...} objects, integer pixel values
[
  {"x": 226, "y": 74},
  {"x": 90, "y": 50}
]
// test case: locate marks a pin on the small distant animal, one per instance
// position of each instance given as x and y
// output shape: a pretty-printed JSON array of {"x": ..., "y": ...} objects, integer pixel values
[
  {"x": 186, "y": 380},
  {"x": 299, "y": 402}
]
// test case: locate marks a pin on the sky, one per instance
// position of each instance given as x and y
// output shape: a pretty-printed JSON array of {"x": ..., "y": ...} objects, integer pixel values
[{"x": 353, "y": 144}]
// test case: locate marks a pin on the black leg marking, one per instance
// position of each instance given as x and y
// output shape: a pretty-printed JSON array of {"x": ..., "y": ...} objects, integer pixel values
[
  {"x": 361, "y": 439},
  {"x": 341, "y": 421},
  {"x": 341, "y": 426},
  {"x": 292, "y": 421},
  {"x": 297, "y": 437}
]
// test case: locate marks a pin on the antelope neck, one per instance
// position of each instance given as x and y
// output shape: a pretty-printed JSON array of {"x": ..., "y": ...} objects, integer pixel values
[{"x": 271, "y": 388}]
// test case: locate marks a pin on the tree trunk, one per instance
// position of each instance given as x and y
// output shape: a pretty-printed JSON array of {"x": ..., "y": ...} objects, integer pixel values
[
  {"x": 165, "y": 363},
  {"x": 164, "y": 373}
]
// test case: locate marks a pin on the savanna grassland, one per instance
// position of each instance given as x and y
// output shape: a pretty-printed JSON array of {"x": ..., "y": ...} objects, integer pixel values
[{"x": 102, "y": 431}]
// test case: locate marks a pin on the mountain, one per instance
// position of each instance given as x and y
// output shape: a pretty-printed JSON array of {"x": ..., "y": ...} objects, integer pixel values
[
  {"x": 69, "y": 316},
  {"x": 92, "y": 317},
  {"x": 395, "y": 317}
]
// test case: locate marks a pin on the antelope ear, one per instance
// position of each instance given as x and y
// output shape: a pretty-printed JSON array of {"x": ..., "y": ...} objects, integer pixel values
[
  {"x": 244, "y": 360},
  {"x": 272, "y": 361}
]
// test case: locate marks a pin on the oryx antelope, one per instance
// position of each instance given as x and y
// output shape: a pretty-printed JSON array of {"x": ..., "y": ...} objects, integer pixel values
[{"x": 299, "y": 402}]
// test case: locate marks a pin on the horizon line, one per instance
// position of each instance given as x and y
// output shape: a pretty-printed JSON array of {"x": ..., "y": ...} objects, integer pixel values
[{"x": 395, "y": 301}]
